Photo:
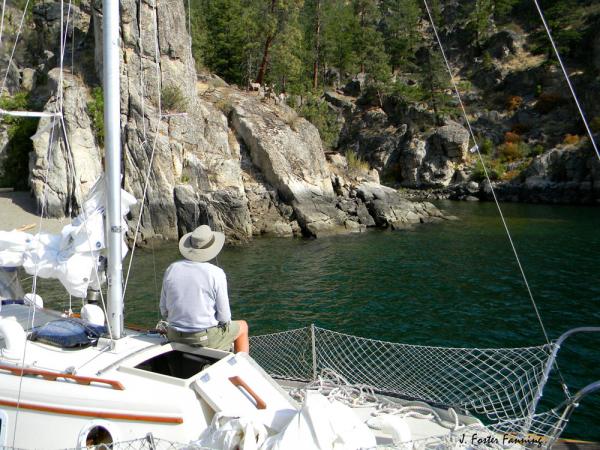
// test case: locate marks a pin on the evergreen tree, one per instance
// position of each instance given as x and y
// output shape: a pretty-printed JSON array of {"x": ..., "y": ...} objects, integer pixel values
[
  {"x": 276, "y": 17},
  {"x": 225, "y": 34},
  {"x": 481, "y": 19},
  {"x": 312, "y": 19},
  {"x": 434, "y": 79},
  {"x": 287, "y": 65},
  {"x": 400, "y": 23},
  {"x": 339, "y": 31}
]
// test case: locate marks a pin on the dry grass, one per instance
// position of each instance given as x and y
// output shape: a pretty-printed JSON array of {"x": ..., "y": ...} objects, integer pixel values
[
  {"x": 571, "y": 139},
  {"x": 355, "y": 163}
]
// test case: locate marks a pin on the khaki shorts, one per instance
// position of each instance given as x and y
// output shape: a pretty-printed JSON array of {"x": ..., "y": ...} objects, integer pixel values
[{"x": 220, "y": 338}]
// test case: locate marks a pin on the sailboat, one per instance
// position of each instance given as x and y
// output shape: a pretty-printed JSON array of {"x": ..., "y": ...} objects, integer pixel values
[{"x": 90, "y": 382}]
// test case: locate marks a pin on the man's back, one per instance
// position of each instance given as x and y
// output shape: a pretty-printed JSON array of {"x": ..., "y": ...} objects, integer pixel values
[{"x": 194, "y": 296}]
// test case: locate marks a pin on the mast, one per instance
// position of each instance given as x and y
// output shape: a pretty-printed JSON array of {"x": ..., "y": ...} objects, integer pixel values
[{"x": 112, "y": 131}]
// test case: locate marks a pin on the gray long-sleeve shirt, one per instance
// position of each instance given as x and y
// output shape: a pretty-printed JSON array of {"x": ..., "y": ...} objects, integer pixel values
[{"x": 194, "y": 296}]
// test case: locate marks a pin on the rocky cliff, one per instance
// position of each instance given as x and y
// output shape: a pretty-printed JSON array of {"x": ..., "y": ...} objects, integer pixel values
[
  {"x": 524, "y": 119},
  {"x": 214, "y": 154}
]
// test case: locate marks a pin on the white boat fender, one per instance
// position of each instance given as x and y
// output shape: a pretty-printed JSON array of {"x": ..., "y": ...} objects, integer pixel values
[
  {"x": 93, "y": 314},
  {"x": 13, "y": 335},
  {"x": 33, "y": 299},
  {"x": 396, "y": 426}
]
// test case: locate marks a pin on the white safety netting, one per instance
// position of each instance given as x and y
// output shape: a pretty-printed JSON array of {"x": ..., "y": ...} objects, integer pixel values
[{"x": 502, "y": 385}]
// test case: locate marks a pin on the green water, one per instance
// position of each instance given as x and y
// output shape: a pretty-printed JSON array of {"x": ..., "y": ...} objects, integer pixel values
[{"x": 449, "y": 284}]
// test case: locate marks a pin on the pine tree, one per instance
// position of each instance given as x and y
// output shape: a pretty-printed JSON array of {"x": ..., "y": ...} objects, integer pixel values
[
  {"x": 275, "y": 18},
  {"x": 339, "y": 31},
  {"x": 225, "y": 33},
  {"x": 434, "y": 79},
  {"x": 481, "y": 19},
  {"x": 287, "y": 65},
  {"x": 312, "y": 21},
  {"x": 400, "y": 24}
]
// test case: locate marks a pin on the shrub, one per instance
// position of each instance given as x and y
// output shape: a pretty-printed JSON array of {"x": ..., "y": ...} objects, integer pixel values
[
  {"x": 291, "y": 119},
  {"x": 510, "y": 174},
  {"x": 571, "y": 139},
  {"x": 96, "y": 112},
  {"x": 520, "y": 128},
  {"x": 20, "y": 130},
  {"x": 514, "y": 102},
  {"x": 511, "y": 151},
  {"x": 172, "y": 99},
  {"x": 547, "y": 102},
  {"x": 318, "y": 113},
  {"x": 487, "y": 61},
  {"x": 486, "y": 147},
  {"x": 536, "y": 150},
  {"x": 355, "y": 163},
  {"x": 408, "y": 93},
  {"x": 512, "y": 137},
  {"x": 224, "y": 105},
  {"x": 495, "y": 169}
]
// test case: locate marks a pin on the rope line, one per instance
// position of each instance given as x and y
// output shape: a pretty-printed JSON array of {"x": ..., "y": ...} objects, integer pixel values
[
  {"x": 493, "y": 191},
  {"x": 2, "y": 20},
  {"x": 12, "y": 54},
  {"x": 155, "y": 141},
  {"x": 568, "y": 79}
]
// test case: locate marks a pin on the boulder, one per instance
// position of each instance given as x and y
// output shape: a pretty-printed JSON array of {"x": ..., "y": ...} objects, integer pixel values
[
  {"x": 447, "y": 148},
  {"x": 27, "y": 79},
  {"x": 504, "y": 43},
  {"x": 13, "y": 77},
  {"x": 410, "y": 161},
  {"x": 224, "y": 210},
  {"x": 61, "y": 176},
  {"x": 3, "y": 143},
  {"x": 354, "y": 87},
  {"x": 389, "y": 209},
  {"x": 452, "y": 140},
  {"x": 288, "y": 151}
]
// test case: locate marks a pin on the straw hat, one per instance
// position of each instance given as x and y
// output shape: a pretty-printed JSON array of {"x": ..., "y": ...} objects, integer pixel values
[{"x": 202, "y": 244}]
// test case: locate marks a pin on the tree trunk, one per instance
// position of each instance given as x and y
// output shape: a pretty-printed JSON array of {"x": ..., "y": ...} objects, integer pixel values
[
  {"x": 262, "y": 70},
  {"x": 317, "y": 44}
]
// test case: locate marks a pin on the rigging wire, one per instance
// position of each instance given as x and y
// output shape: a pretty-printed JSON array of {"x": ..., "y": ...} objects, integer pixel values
[
  {"x": 2, "y": 20},
  {"x": 502, "y": 218},
  {"x": 568, "y": 79},
  {"x": 32, "y": 309},
  {"x": 12, "y": 54},
  {"x": 155, "y": 141},
  {"x": 52, "y": 143}
]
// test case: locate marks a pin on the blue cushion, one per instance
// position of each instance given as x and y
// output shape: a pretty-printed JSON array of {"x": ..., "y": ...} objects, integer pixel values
[{"x": 68, "y": 333}]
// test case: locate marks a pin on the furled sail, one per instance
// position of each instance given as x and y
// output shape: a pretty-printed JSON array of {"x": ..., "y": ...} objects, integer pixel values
[{"x": 71, "y": 256}]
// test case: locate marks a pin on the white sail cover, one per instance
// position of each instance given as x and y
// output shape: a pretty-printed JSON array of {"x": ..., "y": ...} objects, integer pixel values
[{"x": 70, "y": 256}]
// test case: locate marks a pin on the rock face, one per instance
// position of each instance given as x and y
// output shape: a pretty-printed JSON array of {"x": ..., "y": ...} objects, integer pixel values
[
  {"x": 288, "y": 151},
  {"x": 562, "y": 175},
  {"x": 233, "y": 160},
  {"x": 447, "y": 148},
  {"x": 59, "y": 174},
  {"x": 391, "y": 141}
]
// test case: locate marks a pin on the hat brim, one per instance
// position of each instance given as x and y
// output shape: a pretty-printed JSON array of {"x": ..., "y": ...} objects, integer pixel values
[{"x": 201, "y": 254}]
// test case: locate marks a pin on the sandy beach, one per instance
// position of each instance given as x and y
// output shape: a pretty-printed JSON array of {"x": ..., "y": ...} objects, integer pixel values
[{"x": 18, "y": 209}]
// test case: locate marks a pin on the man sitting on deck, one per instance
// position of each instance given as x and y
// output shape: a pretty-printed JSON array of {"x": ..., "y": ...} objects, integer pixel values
[{"x": 194, "y": 297}]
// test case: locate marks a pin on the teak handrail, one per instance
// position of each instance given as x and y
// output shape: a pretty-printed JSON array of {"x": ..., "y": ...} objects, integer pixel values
[
  {"x": 238, "y": 382},
  {"x": 53, "y": 376}
]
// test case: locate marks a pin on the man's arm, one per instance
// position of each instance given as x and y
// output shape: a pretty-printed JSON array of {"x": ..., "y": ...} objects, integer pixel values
[
  {"x": 163, "y": 298},
  {"x": 223, "y": 312}
]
